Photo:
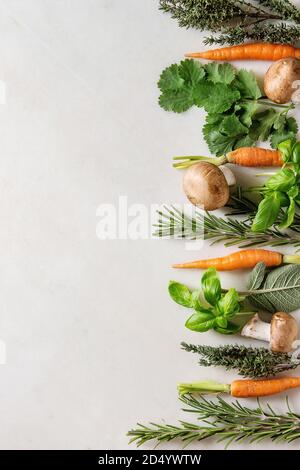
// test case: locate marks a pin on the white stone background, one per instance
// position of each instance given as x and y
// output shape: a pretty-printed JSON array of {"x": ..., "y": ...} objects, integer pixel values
[{"x": 92, "y": 337}]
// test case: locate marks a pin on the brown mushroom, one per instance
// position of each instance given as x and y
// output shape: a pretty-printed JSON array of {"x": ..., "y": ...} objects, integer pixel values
[
  {"x": 280, "y": 79},
  {"x": 206, "y": 186},
  {"x": 281, "y": 333}
]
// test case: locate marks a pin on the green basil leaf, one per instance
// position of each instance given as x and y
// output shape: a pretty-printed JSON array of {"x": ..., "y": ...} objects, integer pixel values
[
  {"x": 282, "y": 180},
  {"x": 198, "y": 300},
  {"x": 229, "y": 303},
  {"x": 231, "y": 329},
  {"x": 293, "y": 192},
  {"x": 221, "y": 321},
  {"x": 296, "y": 153},
  {"x": 211, "y": 286},
  {"x": 285, "y": 148},
  {"x": 181, "y": 294},
  {"x": 200, "y": 321},
  {"x": 267, "y": 212},
  {"x": 289, "y": 215}
]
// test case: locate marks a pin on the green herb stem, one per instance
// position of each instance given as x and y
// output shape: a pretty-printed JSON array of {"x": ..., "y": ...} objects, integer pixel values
[
  {"x": 204, "y": 387},
  {"x": 228, "y": 421}
]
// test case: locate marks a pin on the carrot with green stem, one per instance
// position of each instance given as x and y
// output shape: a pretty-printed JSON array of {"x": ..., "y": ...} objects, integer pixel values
[
  {"x": 241, "y": 388},
  {"x": 244, "y": 156},
  {"x": 255, "y": 51},
  {"x": 244, "y": 259}
]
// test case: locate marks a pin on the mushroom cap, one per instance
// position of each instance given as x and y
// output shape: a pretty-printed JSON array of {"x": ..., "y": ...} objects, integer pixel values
[
  {"x": 284, "y": 331},
  {"x": 205, "y": 185},
  {"x": 279, "y": 79}
]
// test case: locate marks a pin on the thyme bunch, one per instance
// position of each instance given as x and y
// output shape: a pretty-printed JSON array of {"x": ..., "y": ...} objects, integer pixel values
[
  {"x": 248, "y": 361},
  {"x": 237, "y": 21}
]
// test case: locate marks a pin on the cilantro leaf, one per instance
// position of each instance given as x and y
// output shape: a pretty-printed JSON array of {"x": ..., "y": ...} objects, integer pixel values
[
  {"x": 262, "y": 124},
  {"x": 233, "y": 127},
  {"x": 278, "y": 137},
  {"x": 287, "y": 131},
  {"x": 170, "y": 80},
  {"x": 224, "y": 135},
  {"x": 215, "y": 98},
  {"x": 191, "y": 72},
  {"x": 246, "y": 111},
  {"x": 291, "y": 124},
  {"x": 247, "y": 84},
  {"x": 177, "y": 101},
  {"x": 220, "y": 73},
  {"x": 177, "y": 83}
]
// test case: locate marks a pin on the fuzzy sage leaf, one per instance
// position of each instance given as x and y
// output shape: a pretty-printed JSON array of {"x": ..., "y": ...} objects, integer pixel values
[{"x": 279, "y": 291}]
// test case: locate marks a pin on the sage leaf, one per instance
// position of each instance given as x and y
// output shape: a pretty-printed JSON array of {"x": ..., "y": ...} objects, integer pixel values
[
  {"x": 257, "y": 276},
  {"x": 280, "y": 290}
]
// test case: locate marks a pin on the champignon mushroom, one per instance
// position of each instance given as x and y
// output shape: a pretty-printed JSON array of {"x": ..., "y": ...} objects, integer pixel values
[
  {"x": 280, "y": 78},
  {"x": 281, "y": 333},
  {"x": 206, "y": 186}
]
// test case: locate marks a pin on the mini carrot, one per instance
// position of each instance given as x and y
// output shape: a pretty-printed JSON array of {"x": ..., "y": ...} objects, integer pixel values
[
  {"x": 242, "y": 388},
  {"x": 244, "y": 156},
  {"x": 243, "y": 259},
  {"x": 257, "y": 51}
]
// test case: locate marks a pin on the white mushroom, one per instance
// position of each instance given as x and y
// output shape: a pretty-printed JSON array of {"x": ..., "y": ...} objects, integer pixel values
[{"x": 281, "y": 333}]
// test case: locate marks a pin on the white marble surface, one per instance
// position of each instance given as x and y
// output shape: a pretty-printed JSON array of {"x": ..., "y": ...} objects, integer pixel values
[{"x": 92, "y": 338}]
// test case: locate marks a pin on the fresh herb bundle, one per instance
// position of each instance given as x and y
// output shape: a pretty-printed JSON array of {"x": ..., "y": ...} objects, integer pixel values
[
  {"x": 248, "y": 361},
  {"x": 173, "y": 222},
  {"x": 236, "y": 109},
  {"x": 229, "y": 422},
  {"x": 213, "y": 309},
  {"x": 280, "y": 191},
  {"x": 269, "y": 290},
  {"x": 238, "y": 21}
]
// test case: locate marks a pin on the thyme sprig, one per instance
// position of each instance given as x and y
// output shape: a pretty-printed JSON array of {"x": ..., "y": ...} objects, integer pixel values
[
  {"x": 248, "y": 361},
  {"x": 229, "y": 422},
  {"x": 238, "y": 21}
]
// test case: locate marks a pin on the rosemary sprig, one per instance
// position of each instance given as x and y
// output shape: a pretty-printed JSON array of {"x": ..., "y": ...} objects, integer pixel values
[
  {"x": 248, "y": 361},
  {"x": 175, "y": 223},
  {"x": 229, "y": 422},
  {"x": 237, "y": 21}
]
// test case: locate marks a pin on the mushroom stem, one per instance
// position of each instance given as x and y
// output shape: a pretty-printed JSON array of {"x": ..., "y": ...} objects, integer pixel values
[
  {"x": 229, "y": 176},
  {"x": 257, "y": 329},
  {"x": 281, "y": 333}
]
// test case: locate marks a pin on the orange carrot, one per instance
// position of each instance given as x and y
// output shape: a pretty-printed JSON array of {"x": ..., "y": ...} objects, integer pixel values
[
  {"x": 254, "y": 156},
  {"x": 240, "y": 260},
  {"x": 241, "y": 388},
  {"x": 261, "y": 388},
  {"x": 257, "y": 51},
  {"x": 244, "y": 156}
]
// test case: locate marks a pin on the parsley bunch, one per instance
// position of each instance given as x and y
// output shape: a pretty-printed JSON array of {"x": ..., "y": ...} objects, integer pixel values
[
  {"x": 238, "y": 21},
  {"x": 237, "y": 113}
]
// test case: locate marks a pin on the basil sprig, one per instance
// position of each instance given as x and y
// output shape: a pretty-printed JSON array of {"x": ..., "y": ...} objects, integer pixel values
[
  {"x": 281, "y": 191},
  {"x": 214, "y": 311}
]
